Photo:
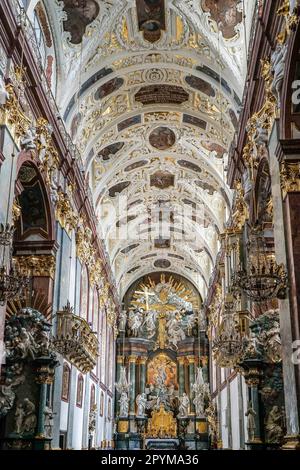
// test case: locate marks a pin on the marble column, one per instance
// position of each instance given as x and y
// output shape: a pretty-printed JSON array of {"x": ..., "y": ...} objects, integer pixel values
[
  {"x": 142, "y": 363},
  {"x": 191, "y": 361},
  {"x": 86, "y": 413},
  {"x": 181, "y": 375},
  {"x": 44, "y": 377},
  {"x": 285, "y": 244},
  {"x": 118, "y": 374},
  {"x": 132, "y": 374},
  {"x": 56, "y": 405},
  {"x": 252, "y": 378},
  {"x": 71, "y": 410}
]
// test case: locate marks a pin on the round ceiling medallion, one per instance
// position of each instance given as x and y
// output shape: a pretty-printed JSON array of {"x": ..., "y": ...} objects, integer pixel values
[
  {"x": 162, "y": 138},
  {"x": 162, "y": 263}
]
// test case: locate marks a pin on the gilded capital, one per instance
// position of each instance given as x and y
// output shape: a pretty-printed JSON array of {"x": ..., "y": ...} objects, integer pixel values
[{"x": 37, "y": 266}]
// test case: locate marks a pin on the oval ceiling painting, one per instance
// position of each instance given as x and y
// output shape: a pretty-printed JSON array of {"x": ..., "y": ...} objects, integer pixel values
[
  {"x": 189, "y": 165},
  {"x": 162, "y": 138},
  {"x": 136, "y": 165},
  {"x": 162, "y": 263}
]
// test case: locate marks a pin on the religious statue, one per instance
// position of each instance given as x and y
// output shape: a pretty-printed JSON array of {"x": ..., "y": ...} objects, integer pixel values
[
  {"x": 135, "y": 321},
  {"x": 184, "y": 404},
  {"x": 124, "y": 405},
  {"x": 25, "y": 417},
  {"x": 175, "y": 331},
  {"x": 28, "y": 140},
  {"x": 122, "y": 320},
  {"x": 92, "y": 419},
  {"x": 274, "y": 426},
  {"x": 48, "y": 423},
  {"x": 3, "y": 92},
  {"x": 150, "y": 323},
  {"x": 26, "y": 345},
  {"x": 277, "y": 66},
  {"x": 19, "y": 418},
  {"x": 191, "y": 322},
  {"x": 251, "y": 426},
  {"x": 141, "y": 401},
  {"x": 201, "y": 390}
]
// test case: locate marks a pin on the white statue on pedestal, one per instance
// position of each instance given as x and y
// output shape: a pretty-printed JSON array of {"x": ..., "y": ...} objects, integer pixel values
[
  {"x": 184, "y": 404},
  {"x": 48, "y": 421},
  {"x": 201, "y": 390},
  {"x": 141, "y": 401},
  {"x": 122, "y": 320},
  {"x": 124, "y": 405}
]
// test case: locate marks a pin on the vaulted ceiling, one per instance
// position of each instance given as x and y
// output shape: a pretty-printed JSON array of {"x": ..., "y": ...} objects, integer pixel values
[{"x": 151, "y": 91}]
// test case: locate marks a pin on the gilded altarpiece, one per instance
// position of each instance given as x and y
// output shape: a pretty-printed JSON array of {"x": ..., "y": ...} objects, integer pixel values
[{"x": 160, "y": 347}]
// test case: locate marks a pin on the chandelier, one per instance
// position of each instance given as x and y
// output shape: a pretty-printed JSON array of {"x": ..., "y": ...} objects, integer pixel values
[
  {"x": 11, "y": 284},
  {"x": 227, "y": 346},
  {"x": 262, "y": 278}
]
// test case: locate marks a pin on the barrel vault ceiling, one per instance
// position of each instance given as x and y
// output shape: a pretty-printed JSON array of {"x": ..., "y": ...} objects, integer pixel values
[{"x": 151, "y": 91}]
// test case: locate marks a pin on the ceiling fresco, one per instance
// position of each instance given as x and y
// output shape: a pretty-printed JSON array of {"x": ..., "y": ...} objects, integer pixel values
[
  {"x": 152, "y": 103},
  {"x": 225, "y": 13},
  {"x": 80, "y": 13}
]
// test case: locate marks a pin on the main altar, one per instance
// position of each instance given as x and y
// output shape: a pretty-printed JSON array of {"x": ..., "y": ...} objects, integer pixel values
[{"x": 162, "y": 366}]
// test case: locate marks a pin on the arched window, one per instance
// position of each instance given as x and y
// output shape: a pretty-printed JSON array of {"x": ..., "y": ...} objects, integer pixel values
[
  {"x": 110, "y": 351},
  {"x": 101, "y": 404},
  {"x": 65, "y": 391},
  {"x": 109, "y": 409},
  {"x": 84, "y": 299},
  {"x": 95, "y": 310},
  {"x": 79, "y": 394},
  {"x": 93, "y": 395},
  {"x": 39, "y": 37},
  {"x": 103, "y": 347}
]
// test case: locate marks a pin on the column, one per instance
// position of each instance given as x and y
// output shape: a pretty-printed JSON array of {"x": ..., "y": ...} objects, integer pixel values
[
  {"x": 86, "y": 413},
  {"x": 252, "y": 378},
  {"x": 285, "y": 216},
  {"x": 142, "y": 361},
  {"x": 191, "y": 360},
  {"x": 44, "y": 377},
  {"x": 41, "y": 414},
  {"x": 132, "y": 366},
  {"x": 71, "y": 409},
  {"x": 118, "y": 373},
  {"x": 181, "y": 378}
]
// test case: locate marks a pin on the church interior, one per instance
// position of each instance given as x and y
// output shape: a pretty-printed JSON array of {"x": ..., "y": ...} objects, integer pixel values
[{"x": 149, "y": 192}]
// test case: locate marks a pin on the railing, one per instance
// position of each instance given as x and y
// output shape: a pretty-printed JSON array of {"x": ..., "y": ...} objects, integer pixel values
[{"x": 75, "y": 340}]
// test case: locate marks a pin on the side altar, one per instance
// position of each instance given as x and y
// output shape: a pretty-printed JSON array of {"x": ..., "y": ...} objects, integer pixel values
[{"x": 162, "y": 388}]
